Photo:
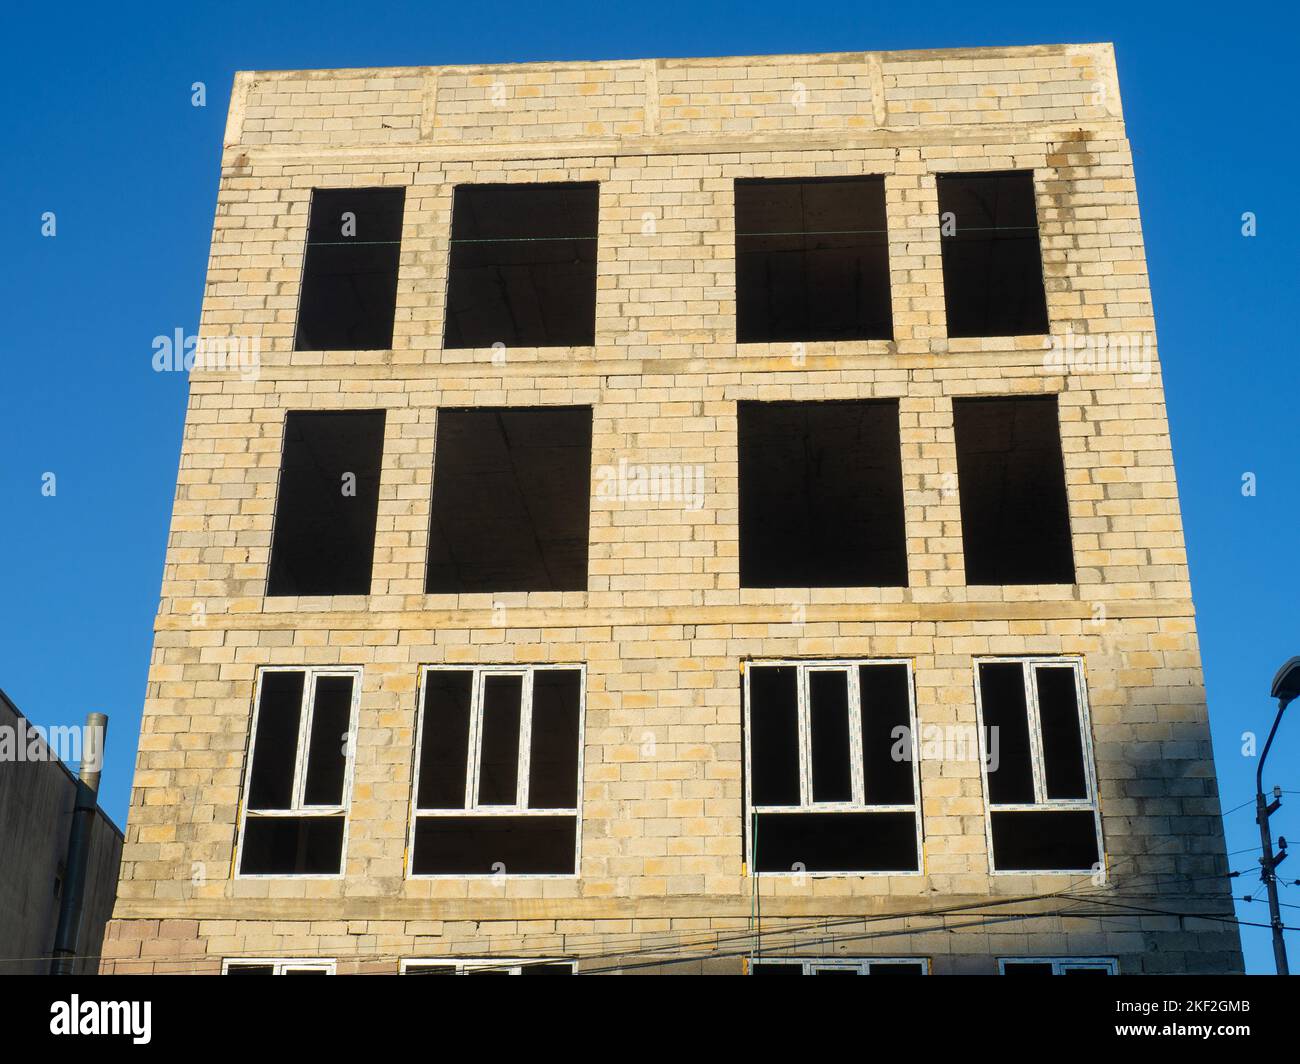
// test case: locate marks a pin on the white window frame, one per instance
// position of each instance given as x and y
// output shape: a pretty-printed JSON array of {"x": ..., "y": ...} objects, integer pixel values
[
  {"x": 1028, "y": 667},
  {"x": 464, "y": 965},
  {"x": 804, "y": 667},
  {"x": 298, "y": 808},
  {"x": 861, "y": 965},
  {"x": 473, "y": 809},
  {"x": 1060, "y": 965},
  {"x": 282, "y": 965}
]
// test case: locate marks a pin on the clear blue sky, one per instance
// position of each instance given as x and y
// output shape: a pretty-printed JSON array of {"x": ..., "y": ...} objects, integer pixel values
[{"x": 100, "y": 130}]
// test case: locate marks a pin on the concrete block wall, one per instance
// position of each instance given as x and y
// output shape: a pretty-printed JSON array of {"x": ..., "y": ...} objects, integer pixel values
[{"x": 664, "y": 625}]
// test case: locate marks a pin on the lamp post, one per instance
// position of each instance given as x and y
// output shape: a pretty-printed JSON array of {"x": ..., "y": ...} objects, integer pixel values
[{"x": 1286, "y": 686}]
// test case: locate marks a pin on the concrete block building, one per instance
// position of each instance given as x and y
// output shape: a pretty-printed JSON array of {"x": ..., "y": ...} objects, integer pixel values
[{"x": 681, "y": 515}]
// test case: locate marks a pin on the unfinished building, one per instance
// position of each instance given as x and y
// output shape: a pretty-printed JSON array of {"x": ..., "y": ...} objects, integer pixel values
[{"x": 689, "y": 517}]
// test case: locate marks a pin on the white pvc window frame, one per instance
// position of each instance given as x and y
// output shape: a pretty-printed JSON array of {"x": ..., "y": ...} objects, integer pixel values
[
  {"x": 1042, "y": 803},
  {"x": 804, "y": 668},
  {"x": 280, "y": 965},
  {"x": 467, "y": 965},
  {"x": 472, "y": 808},
  {"x": 298, "y": 807},
  {"x": 858, "y": 965},
  {"x": 1061, "y": 965}
]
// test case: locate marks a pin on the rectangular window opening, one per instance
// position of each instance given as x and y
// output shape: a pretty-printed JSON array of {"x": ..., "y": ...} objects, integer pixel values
[
  {"x": 260, "y": 966},
  {"x": 821, "y": 494},
  {"x": 1043, "y": 812},
  {"x": 841, "y": 966},
  {"x": 492, "y": 966},
  {"x": 299, "y": 772},
  {"x": 511, "y": 500},
  {"x": 992, "y": 264},
  {"x": 523, "y": 265},
  {"x": 323, "y": 541},
  {"x": 1058, "y": 966},
  {"x": 349, "y": 274},
  {"x": 831, "y": 784},
  {"x": 812, "y": 260},
  {"x": 498, "y": 772},
  {"x": 1015, "y": 515}
]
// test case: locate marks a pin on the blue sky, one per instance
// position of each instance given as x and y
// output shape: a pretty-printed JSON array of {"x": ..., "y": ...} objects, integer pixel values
[{"x": 102, "y": 132}]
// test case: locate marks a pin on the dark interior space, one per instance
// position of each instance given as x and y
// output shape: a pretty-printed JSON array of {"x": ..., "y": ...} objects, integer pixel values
[
  {"x": 1015, "y": 515},
  {"x": 1064, "y": 763},
  {"x": 821, "y": 494},
  {"x": 1046, "y": 840},
  {"x": 992, "y": 264},
  {"x": 812, "y": 260},
  {"x": 511, "y": 499},
  {"x": 523, "y": 265},
  {"x": 275, "y": 745},
  {"x": 444, "y": 740},
  {"x": 886, "y": 724},
  {"x": 553, "y": 756},
  {"x": 774, "y": 735},
  {"x": 1002, "y": 701},
  {"x": 532, "y": 845},
  {"x": 349, "y": 274},
  {"x": 292, "y": 845},
  {"x": 324, "y": 538},
  {"x": 828, "y": 724},
  {"x": 836, "y": 842}
]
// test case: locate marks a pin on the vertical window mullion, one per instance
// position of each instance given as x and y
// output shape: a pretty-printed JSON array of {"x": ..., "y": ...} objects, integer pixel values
[
  {"x": 1035, "y": 732},
  {"x": 525, "y": 739},
  {"x": 857, "y": 768},
  {"x": 304, "y": 732},
  {"x": 1085, "y": 735},
  {"x": 475, "y": 738},
  {"x": 805, "y": 738}
]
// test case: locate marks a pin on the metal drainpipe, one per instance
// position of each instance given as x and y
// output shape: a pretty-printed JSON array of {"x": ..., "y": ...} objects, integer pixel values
[{"x": 83, "y": 822}]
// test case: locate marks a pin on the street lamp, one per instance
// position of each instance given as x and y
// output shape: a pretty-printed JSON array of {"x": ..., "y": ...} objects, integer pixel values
[{"x": 1286, "y": 687}]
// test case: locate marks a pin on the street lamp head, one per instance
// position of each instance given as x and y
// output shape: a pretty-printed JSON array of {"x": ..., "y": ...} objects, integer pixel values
[{"x": 1286, "y": 684}]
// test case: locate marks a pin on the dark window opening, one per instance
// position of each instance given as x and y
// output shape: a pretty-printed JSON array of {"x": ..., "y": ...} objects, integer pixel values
[
  {"x": 1027, "y": 968},
  {"x": 293, "y": 823},
  {"x": 1002, "y": 697},
  {"x": 836, "y": 842},
  {"x": 349, "y": 276},
  {"x": 510, "y": 741},
  {"x": 444, "y": 753},
  {"x": 1011, "y": 481},
  {"x": 821, "y": 494},
  {"x": 553, "y": 761},
  {"x": 1042, "y": 805},
  {"x": 289, "y": 845},
  {"x": 886, "y": 734},
  {"x": 812, "y": 260},
  {"x": 523, "y": 265},
  {"x": 511, "y": 500},
  {"x": 992, "y": 265},
  {"x": 1064, "y": 774},
  {"x": 1044, "y": 840},
  {"x": 324, "y": 537},
  {"x": 774, "y": 735},
  {"x": 828, "y": 712},
  {"x": 509, "y": 845}
]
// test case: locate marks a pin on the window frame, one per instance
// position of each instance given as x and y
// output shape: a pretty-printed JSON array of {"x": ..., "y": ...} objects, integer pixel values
[
  {"x": 473, "y": 764},
  {"x": 1060, "y": 965},
  {"x": 1042, "y": 803},
  {"x": 298, "y": 809},
  {"x": 804, "y": 667},
  {"x": 861, "y": 965},
  {"x": 464, "y": 965},
  {"x": 282, "y": 965}
]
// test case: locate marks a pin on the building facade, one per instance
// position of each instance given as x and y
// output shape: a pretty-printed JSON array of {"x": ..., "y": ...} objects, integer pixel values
[
  {"x": 701, "y": 515},
  {"x": 38, "y": 795}
]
